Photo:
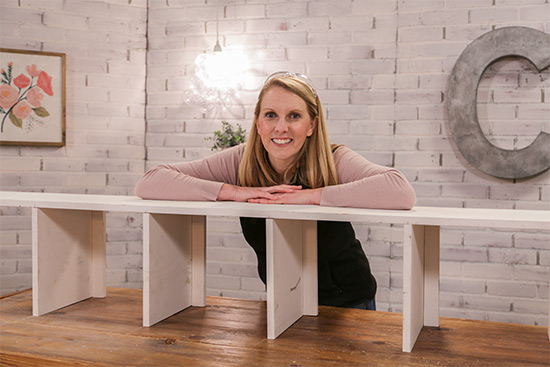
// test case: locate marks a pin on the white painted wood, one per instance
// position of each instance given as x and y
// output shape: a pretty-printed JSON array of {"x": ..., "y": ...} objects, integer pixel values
[
  {"x": 167, "y": 270},
  {"x": 62, "y": 257},
  {"x": 431, "y": 276},
  {"x": 198, "y": 266},
  {"x": 148, "y": 239},
  {"x": 309, "y": 268},
  {"x": 99, "y": 255},
  {"x": 36, "y": 291},
  {"x": 284, "y": 274},
  {"x": 450, "y": 217},
  {"x": 413, "y": 285},
  {"x": 420, "y": 290}
]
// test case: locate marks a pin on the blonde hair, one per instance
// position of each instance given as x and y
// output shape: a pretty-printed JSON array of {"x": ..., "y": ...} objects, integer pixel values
[{"x": 314, "y": 164}]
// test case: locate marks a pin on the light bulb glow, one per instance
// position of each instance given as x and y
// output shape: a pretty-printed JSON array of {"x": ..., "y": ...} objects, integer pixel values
[
  {"x": 221, "y": 69},
  {"x": 218, "y": 77}
]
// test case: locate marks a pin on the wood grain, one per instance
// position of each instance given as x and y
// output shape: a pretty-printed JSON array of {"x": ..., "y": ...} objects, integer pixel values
[{"x": 231, "y": 332}]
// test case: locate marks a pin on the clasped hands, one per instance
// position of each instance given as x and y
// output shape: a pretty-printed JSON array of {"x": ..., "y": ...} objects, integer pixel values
[{"x": 280, "y": 194}]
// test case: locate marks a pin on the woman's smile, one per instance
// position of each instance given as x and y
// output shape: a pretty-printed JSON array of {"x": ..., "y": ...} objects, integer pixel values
[{"x": 281, "y": 141}]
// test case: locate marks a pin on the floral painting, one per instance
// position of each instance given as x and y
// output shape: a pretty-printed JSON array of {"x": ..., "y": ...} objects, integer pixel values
[{"x": 32, "y": 98}]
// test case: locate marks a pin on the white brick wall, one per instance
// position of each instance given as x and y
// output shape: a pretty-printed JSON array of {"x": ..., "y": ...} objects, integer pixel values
[
  {"x": 381, "y": 68},
  {"x": 104, "y": 43}
]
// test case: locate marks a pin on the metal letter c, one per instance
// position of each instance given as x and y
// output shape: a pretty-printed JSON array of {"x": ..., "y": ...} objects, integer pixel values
[{"x": 524, "y": 42}]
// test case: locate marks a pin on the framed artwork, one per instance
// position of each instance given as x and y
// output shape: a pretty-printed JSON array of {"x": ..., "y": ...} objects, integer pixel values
[{"x": 32, "y": 98}]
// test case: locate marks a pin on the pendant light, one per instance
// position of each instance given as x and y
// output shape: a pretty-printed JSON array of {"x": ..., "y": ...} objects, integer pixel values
[{"x": 218, "y": 74}]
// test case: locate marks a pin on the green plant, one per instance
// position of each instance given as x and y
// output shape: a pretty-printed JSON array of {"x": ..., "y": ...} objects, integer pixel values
[{"x": 228, "y": 136}]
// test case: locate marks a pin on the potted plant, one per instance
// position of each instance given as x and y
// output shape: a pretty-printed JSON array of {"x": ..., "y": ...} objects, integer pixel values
[{"x": 228, "y": 136}]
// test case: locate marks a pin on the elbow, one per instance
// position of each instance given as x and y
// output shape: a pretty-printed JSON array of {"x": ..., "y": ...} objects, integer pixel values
[
  {"x": 139, "y": 190},
  {"x": 144, "y": 188},
  {"x": 405, "y": 199},
  {"x": 409, "y": 199},
  {"x": 404, "y": 191}
]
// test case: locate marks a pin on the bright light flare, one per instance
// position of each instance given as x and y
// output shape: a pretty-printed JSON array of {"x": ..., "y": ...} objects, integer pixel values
[
  {"x": 219, "y": 76},
  {"x": 222, "y": 70}
]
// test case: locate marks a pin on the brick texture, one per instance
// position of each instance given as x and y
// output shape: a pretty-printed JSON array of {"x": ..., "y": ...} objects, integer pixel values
[{"x": 104, "y": 43}]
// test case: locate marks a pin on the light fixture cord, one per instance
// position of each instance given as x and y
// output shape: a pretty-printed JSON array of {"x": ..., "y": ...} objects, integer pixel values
[{"x": 217, "y": 47}]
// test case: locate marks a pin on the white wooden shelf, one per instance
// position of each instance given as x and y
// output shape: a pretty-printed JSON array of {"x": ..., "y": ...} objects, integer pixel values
[{"x": 69, "y": 251}]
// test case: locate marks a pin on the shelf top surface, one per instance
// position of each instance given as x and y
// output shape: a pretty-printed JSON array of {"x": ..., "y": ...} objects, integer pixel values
[{"x": 419, "y": 215}]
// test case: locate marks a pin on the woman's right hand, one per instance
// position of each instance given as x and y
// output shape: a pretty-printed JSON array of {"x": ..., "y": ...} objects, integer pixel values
[{"x": 244, "y": 194}]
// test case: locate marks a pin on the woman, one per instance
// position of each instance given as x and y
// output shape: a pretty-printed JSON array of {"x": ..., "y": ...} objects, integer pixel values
[{"x": 288, "y": 160}]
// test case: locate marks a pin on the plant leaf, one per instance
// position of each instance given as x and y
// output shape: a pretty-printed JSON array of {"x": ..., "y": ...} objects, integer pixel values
[
  {"x": 41, "y": 112},
  {"x": 228, "y": 136},
  {"x": 14, "y": 120}
]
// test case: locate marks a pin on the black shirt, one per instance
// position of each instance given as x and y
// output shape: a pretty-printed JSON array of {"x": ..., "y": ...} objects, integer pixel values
[{"x": 344, "y": 275}]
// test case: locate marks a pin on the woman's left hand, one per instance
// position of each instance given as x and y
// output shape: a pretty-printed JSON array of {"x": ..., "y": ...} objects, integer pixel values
[{"x": 304, "y": 197}]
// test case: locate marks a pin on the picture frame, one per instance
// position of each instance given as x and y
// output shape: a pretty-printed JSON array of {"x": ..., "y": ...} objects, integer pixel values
[{"x": 32, "y": 98}]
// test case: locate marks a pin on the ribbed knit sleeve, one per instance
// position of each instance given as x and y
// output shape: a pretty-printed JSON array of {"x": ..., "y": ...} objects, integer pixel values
[
  {"x": 199, "y": 180},
  {"x": 367, "y": 185}
]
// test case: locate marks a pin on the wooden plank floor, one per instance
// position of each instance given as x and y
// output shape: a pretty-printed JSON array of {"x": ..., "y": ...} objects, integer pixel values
[{"x": 231, "y": 332}]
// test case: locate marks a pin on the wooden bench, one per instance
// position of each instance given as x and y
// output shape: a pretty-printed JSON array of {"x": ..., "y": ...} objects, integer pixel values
[{"x": 68, "y": 252}]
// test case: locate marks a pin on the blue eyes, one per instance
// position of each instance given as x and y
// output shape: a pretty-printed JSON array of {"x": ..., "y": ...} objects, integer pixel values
[{"x": 291, "y": 116}]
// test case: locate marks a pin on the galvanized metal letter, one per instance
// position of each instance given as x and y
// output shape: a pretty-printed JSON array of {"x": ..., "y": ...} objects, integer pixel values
[{"x": 528, "y": 43}]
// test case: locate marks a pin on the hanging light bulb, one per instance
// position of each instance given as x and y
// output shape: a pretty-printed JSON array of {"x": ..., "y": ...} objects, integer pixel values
[
  {"x": 218, "y": 75},
  {"x": 222, "y": 70}
]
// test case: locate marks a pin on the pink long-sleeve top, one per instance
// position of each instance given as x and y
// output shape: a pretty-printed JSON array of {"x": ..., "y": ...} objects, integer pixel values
[{"x": 362, "y": 184}]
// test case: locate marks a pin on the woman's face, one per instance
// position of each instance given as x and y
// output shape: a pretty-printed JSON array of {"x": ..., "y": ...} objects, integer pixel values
[{"x": 283, "y": 125}]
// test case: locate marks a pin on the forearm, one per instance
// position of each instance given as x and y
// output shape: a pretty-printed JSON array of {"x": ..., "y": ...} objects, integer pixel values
[
  {"x": 389, "y": 190},
  {"x": 199, "y": 180},
  {"x": 165, "y": 183},
  {"x": 227, "y": 193},
  {"x": 315, "y": 196}
]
